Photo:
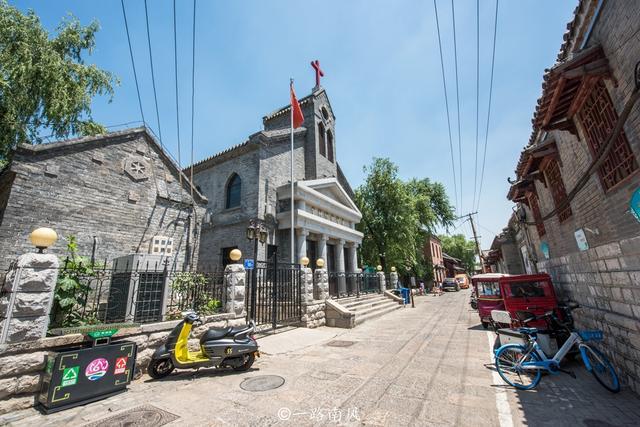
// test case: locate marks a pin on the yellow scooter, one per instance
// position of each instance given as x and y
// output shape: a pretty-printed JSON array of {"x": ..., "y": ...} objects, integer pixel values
[{"x": 232, "y": 347}]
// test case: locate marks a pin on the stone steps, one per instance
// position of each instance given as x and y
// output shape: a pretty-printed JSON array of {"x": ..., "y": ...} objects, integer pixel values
[
  {"x": 366, "y": 303},
  {"x": 377, "y": 313},
  {"x": 366, "y": 307}
]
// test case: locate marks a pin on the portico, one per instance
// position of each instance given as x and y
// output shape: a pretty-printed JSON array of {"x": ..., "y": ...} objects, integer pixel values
[{"x": 324, "y": 221}]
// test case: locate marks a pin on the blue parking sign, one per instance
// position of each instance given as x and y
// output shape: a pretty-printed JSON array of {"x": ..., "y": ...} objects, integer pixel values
[{"x": 248, "y": 264}]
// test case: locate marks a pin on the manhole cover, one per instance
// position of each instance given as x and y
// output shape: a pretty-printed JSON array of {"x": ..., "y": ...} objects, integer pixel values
[
  {"x": 140, "y": 416},
  {"x": 262, "y": 383},
  {"x": 340, "y": 343}
]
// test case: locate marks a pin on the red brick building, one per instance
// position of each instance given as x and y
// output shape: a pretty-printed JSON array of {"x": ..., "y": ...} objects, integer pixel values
[{"x": 433, "y": 253}]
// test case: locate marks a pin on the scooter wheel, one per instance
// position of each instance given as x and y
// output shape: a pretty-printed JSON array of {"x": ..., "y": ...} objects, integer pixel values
[
  {"x": 247, "y": 363},
  {"x": 160, "y": 368}
]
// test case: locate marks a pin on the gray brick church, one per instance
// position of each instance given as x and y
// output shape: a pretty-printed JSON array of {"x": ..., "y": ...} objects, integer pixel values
[{"x": 251, "y": 181}]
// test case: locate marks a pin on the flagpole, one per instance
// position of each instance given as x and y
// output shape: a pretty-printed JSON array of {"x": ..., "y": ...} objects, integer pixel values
[{"x": 292, "y": 201}]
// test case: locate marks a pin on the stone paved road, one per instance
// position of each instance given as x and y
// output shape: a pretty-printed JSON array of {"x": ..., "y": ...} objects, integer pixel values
[{"x": 421, "y": 366}]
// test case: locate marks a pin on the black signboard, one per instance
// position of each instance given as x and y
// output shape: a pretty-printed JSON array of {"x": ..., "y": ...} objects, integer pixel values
[{"x": 83, "y": 375}]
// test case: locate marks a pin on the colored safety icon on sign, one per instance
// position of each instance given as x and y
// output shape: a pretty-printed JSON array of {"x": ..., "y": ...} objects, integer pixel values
[
  {"x": 121, "y": 366},
  {"x": 70, "y": 376}
]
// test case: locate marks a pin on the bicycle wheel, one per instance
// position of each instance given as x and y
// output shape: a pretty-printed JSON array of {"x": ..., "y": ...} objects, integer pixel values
[
  {"x": 601, "y": 368},
  {"x": 507, "y": 360}
]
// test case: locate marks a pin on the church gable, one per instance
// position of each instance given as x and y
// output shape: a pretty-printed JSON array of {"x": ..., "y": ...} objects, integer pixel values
[{"x": 330, "y": 188}]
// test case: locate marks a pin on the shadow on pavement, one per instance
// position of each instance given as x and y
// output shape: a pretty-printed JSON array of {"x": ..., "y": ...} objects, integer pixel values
[
  {"x": 563, "y": 400},
  {"x": 186, "y": 374}
]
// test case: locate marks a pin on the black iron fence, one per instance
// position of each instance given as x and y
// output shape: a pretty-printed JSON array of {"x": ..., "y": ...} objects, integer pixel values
[
  {"x": 344, "y": 284},
  {"x": 89, "y": 294},
  {"x": 274, "y": 294}
]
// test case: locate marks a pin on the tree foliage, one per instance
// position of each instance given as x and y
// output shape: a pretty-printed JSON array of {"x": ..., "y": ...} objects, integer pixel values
[
  {"x": 459, "y": 247},
  {"x": 397, "y": 216},
  {"x": 44, "y": 82}
]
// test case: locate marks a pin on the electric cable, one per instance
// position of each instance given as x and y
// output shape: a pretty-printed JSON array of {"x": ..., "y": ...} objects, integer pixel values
[
  {"x": 193, "y": 79},
  {"x": 475, "y": 173},
  {"x": 446, "y": 101},
  {"x": 153, "y": 78},
  {"x": 133, "y": 63},
  {"x": 486, "y": 134},
  {"x": 175, "y": 68},
  {"x": 455, "y": 55}
]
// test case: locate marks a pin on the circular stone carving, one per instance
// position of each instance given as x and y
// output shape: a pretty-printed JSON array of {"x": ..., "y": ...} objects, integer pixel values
[
  {"x": 262, "y": 383},
  {"x": 137, "y": 168}
]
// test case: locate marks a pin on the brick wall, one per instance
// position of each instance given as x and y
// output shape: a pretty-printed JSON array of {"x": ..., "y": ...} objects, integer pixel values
[
  {"x": 82, "y": 189},
  {"x": 605, "y": 279}
]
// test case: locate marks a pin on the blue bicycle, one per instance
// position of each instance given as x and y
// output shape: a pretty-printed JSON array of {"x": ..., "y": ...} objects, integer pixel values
[{"x": 521, "y": 366}]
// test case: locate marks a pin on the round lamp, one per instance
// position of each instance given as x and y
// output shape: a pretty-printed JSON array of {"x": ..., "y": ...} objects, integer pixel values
[
  {"x": 235, "y": 255},
  {"x": 319, "y": 263},
  {"x": 42, "y": 238},
  {"x": 304, "y": 261},
  {"x": 379, "y": 268},
  {"x": 393, "y": 269}
]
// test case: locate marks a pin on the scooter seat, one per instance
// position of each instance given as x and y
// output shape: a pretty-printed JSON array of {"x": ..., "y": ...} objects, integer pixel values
[{"x": 219, "y": 333}]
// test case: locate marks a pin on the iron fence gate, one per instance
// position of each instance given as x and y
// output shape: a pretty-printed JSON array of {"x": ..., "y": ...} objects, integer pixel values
[
  {"x": 348, "y": 284},
  {"x": 274, "y": 293}
]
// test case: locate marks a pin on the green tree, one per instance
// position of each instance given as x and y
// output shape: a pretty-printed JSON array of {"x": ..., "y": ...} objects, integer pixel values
[
  {"x": 44, "y": 82},
  {"x": 397, "y": 216},
  {"x": 459, "y": 247}
]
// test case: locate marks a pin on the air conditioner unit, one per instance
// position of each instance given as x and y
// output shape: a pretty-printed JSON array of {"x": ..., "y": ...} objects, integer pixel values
[{"x": 138, "y": 289}]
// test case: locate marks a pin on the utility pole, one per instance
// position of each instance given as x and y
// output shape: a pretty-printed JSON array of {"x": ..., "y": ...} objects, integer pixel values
[{"x": 475, "y": 237}]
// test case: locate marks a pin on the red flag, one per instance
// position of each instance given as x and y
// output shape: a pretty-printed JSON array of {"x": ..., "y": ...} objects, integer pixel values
[{"x": 298, "y": 117}]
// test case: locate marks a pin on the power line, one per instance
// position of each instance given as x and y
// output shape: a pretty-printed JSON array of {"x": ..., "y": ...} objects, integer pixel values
[
  {"x": 475, "y": 174},
  {"x": 153, "y": 78},
  {"x": 455, "y": 55},
  {"x": 193, "y": 79},
  {"x": 133, "y": 63},
  {"x": 486, "y": 135},
  {"x": 446, "y": 101},
  {"x": 175, "y": 68}
]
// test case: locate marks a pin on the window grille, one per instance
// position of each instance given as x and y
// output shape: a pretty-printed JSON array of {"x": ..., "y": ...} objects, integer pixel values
[
  {"x": 535, "y": 208},
  {"x": 556, "y": 186},
  {"x": 161, "y": 245},
  {"x": 598, "y": 118}
]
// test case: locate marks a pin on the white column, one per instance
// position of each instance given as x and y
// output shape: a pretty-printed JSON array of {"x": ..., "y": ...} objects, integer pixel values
[
  {"x": 342, "y": 284},
  {"x": 353, "y": 256},
  {"x": 301, "y": 244},
  {"x": 322, "y": 248}
]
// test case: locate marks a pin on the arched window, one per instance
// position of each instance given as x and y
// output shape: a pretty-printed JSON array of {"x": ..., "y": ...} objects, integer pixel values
[
  {"x": 330, "y": 146},
  {"x": 323, "y": 148},
  {"x": 234, "y": 187}
]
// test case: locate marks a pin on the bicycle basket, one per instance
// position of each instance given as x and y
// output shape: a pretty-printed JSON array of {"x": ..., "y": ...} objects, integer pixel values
[{"x": 591, "y": 335}]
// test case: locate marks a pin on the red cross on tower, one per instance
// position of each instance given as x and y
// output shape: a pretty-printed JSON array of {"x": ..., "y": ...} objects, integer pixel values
[{"x": 316, "y": 66}]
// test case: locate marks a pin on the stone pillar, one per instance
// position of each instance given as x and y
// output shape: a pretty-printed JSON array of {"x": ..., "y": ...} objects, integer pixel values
[
  {"x": 321, "y": 277},
  {"x": 306, "y": 285},
  {"x": 235, "y": 288},
  {"x": 24, "y": 311},
  {"x": 353, "y": 257},
  {"x": 322, "y": 247},
  {"x": 342, "y": 284},
  {"x": 301, "y": 244},
  {"x": 382, "y": 281},
  {"x": 393, "y": 276}
]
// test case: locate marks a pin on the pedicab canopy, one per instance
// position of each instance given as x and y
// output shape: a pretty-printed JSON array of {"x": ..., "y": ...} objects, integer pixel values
[{"x": 523, "y": 292}]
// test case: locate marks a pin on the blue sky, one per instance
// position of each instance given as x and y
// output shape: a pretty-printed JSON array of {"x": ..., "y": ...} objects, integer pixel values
[{"x": 382, "y": 74}]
